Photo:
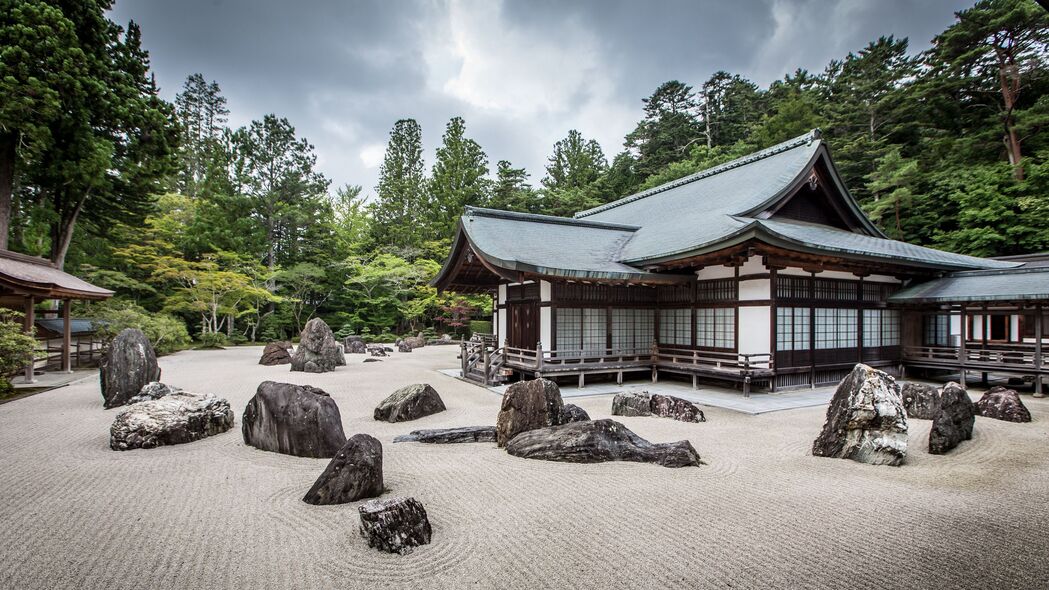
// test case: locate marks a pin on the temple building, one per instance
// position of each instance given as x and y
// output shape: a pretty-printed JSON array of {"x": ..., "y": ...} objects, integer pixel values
[{"x": 762, "y": 272}]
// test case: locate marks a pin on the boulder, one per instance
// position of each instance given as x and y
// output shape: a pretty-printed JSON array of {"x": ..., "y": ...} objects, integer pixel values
[
  {"x": 682, "y": 410},
  {"x": 128, "y": 364},
  {"x": 402, "y": 346},
  {"x": 866, "y": 421},
  {"x": 440, "y": 436},
  {"x": 377, "y": 351},
  {"x": 632, "y": 404},
  {"x": 394, "y": 525},
  {"x": 528, "y": 405},
  {"x": 276, "y": 353},
  {"x": 954, "y": 420},
  {"x": 1001, "y": 403},
  {"x": 354, "y": 472},
  {"x": 387, "y": 349},
  {"x": 410, "y": 402},
  {"x": 416, "y": 341},
  {"x": 921, "y": 401},
  {"x": 356, "y": 347},
  {"x": 170, "y": 420},
  {"x": 597, "y": 441},
  {"x": 372, "y": 360},
  {"x": 318, "y": 352},
  {"x": 293, "y": 419},
  {"x": 153, "y": 390},
  {"x": 573, "y": 413}
]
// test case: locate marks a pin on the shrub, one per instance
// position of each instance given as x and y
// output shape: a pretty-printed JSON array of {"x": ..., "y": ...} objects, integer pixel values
[
  {"x": 166, "y": 333},
  {"x": 16, "y": 347},
  {"x": 213, "y": 340},
  {"x": 481, "y": 326}
]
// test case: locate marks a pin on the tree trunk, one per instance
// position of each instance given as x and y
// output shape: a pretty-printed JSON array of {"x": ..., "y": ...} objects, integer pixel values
[
  {"x": 62, "y": 232},
  {"x": 8, "y": 154}
]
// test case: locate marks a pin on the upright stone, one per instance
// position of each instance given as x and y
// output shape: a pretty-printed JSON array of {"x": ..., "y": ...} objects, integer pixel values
[
  {"x": 573, "y": 413},
  {"x": 528, "y": 405},
  {"x": 866, "y": 421},
  {"x": 954, "y": 420},
  {"x": 394, "y": 525},
  {"x": 128, "y": 364},
  {"x": 410, "y": 402},
  {"x": 276, "y": 353},
  {"x": 354, "y": 473},
  {"x": 293, "y": 419},
  {"x": 921, "y": 401},
  {"x": 1002, "y": 403},
  {"x": 403, "y": 346},
  {"x": 318, "y": 351}
]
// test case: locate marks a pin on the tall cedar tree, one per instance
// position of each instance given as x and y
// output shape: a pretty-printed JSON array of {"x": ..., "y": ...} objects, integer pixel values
[
  {"x": 202, "y": 114},
  {"x": 730, "y": 105},
  {"x": 399, "y": 213},
  {"x": 511, "y": 191},
  {"x": 458, "y": 179},
  {"x": 670, "y": 126}
]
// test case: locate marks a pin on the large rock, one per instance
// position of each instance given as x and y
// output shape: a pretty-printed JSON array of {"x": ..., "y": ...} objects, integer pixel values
[
  {"x": 377, "y": 351},
  {"x": 276, "y": 353},
  {"x": 597, "y": 441},
  {"x": 394, "y": 525},
  {"x": 440, "y": 436},
  {"x": 866, "y": 421},
  {"x": 954, "y": 420},
  {"x": 170, "y": 420},
  {"x": 403, "y": 346},
  {"x": 356, "y": 346},
  {"x": 632, "y": 404},
  {"x": 416, "y": 341},
  {"x": 153, "y": 390},
  {"x": 354, "y": 473},
  {"x": 921, "y": 401},
  {"x": 410, "y": 402},
  {"x": 318, "y": 351},
  {"x": 682, "y": 410},
  {"x": 293, "y": 419},
  {"x": 528, "y": 405},
  {"x": 1001, "y": 403},
  {"x": 128, "y": 364},
  {"x": 573, "y": 413}
]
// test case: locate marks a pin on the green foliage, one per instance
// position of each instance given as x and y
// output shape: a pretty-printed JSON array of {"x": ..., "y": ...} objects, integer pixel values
[
  {"x": 16, "y": 347},
  {"x": 212, "y": 340},
  {"x": 398, "y": 214},
  {"x": 167, "y": 333},
  {"x": 458, "y": 179},
  {"x": 481, "y": 327},
  {"x": 670, "y": 126}
]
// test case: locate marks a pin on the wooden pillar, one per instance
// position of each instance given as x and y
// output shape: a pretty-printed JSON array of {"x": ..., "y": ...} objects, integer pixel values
[
  {"x": 29, "y": 321},
  {"x": 961, "y": 346},
  {"x": 67, "y": 337},
  {"x": 1038, "y": 328}
]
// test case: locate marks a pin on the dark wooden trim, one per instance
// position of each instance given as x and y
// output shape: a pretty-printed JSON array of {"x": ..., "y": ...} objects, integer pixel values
[{"x": 753, "y": 276}]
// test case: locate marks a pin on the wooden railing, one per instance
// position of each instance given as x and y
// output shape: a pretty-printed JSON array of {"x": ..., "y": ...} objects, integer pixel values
[
  {"x": 978, "y": 356},
  {"x": 729, "y": 361},
  {"x": 481, "y": 361}
]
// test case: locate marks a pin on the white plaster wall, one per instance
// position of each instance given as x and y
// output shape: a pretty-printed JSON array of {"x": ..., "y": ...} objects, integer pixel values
[
  {"x": 545, "y": 291},
  {"x": 977, "y": 327},
  {"x": 794, "y": 272},
  {"x": 882, "y": 279},
  {"x": 546, "y": 334},
  {"x": 1014, "y": 328},
  {"x": 500, "y": 336},
  {"x": 755, "y": 329},
  {"x": 752, "y": 266},
  {"x": 715, "y": 272},
  {"x": 956, "y": 325},
  {"x": 756, "y": 289}
]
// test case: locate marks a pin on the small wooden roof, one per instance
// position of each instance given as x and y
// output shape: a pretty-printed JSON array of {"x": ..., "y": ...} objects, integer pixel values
[{"x": 22, "y": 275}]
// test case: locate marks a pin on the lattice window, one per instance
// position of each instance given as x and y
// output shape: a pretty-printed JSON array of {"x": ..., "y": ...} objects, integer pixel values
[
  {"x": 937, "y": 330},
  {"x": 595, "y": 330},
  {"x": 881, "y": 327},
  {"x": 716, "y": 328},
  {"x": 569, "y": 328},
  {"x": 632, "y": 328},
  {"x": 717, "y": 290},
  {"x": 788, "y": 287},
  {"x": 675, "y": 327},
  {"x": 792, "y": 328},
  {"x": 836, "y": 328}
]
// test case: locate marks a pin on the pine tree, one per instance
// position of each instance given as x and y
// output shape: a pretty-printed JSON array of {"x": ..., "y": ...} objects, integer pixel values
[
  {"x": 399, "y": 213},
  {"x": 511, "y": 191},
  {"x": 458, "y": 179},
  {"x": 730, "y": 104},
  {"x": 202, "y": 114},
  {"x": 670, "y": 126}
]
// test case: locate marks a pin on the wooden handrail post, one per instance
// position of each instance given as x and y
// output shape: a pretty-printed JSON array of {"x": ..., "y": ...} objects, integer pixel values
[
  {"x": 538, "y": 356},
  {"x": 487, "y": 361},
  {"x": 1038, "y": 331}
]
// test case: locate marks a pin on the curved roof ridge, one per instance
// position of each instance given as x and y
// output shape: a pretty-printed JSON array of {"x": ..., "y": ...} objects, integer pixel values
[
  {"x": 538, "y": 218},
  {"x": 790, "y": 144}
]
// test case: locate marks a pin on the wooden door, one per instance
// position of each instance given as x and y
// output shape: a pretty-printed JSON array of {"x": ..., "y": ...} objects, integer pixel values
[{"x": 523, "y": 325}]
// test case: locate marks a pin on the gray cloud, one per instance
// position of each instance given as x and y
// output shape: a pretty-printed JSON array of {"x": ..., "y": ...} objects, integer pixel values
[{"x": 521, "y": 73}]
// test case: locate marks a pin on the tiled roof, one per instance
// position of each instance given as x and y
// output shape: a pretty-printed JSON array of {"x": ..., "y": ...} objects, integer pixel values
[
  {"x": 23, "y": 273},
  {"x": 1017, "y": 284}
]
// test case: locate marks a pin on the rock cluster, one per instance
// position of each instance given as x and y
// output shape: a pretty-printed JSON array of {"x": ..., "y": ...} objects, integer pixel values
[
  {"x": 1001, "y": 403},
  {"x": 528, "y": 405},
  {"x": 416, "y": 341},
  {"x": 170, "y": 420},
  {"x": 573, "y": 413},
  {"x": 153, "y": 390},
  {"x": 597, "y": 441},
  {"x": 318, "y": 351},
  {"x": 128, "y": 364},
  {"x": 276, "y": 353},
  {"x": 665, "y": 406},
  {"x": 921, "y": 401},
  {"x": 410, "y": 402},
  {"x": 866, "y": 421},
  {"x": 354, "y": 473},
  {"x": 465, "y": 434},
  {"x": 377, "y": 351},
  {"x": 954, "y": 419},
  {"x": 395, "y": 525},
  {"x": 293, "y": 419},
  {"x": 354, "y": 345}
]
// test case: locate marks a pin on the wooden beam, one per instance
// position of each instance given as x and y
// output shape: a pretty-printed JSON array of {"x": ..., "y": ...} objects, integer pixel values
[{"x": 67, "y": 336}]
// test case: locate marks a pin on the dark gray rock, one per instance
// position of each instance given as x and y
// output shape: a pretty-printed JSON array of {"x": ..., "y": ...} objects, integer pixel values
[
  {"x": 597, "y": 441},
  {"x": 356, "y": 346},
  {"x": 921, "y": 401},
  {"x": 354, "y": 472},
  {"x": 276, "y": 353},
  {"x": 387, "y": 349},
  {"x": 318, "y": 352},
  {"x": 394, "y": 525},
  {"x": 153, "y": 390},
  {"x": 377, "y": 351},
  {"x": 173, "y": 419},
  {"x": 632, "y": 404},
  {"x": 866, "y": 421},
  {"x": 682, "y": 410},
  {"x": 416, "y": 341},
  {"x": 573, "y": 413},
  {"x": 127, "y": 365},
  {"x": 465, "y": 434},
  {"x": 402, "y": 346},
  {"x": 1001, "y": 403},
  {"x": 527, "y": 405},
  {"x": 372, "y": 360},
  {"x": 293, "y": 419},
  {"x": 410, "y": 402},
  {"x": 954, "y": 420}
]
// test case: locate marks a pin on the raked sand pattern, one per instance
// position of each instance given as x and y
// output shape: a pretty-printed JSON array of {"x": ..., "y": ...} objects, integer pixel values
[{"x": 762, "y": 514}]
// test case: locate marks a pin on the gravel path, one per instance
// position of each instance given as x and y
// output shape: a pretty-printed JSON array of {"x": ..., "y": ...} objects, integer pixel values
[{"x": 762, "y": 514}]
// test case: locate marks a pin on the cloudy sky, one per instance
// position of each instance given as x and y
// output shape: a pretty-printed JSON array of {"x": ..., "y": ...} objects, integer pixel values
[{"x": 522, "y": 73}]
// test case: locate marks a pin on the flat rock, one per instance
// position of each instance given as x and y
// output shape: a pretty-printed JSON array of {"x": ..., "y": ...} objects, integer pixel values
[
  {"x": 372, "y": 360},
  {"x": 954, "y": 420},
  {"x": 632, "y": 404},
  {"x": 1002, "y": 403},
  {"x": 597, "y": 441},
  {"x": 527, "y": 405},
  {"x": 866, "y": 420},
  {"x": 128, "y": 364},
  {"x": 394, "y": 525},
  {"x": 174, "y": 419},
  {"x": 921, "y": 400},
  {"x": 354, "y": 472},
  {"x": 276, "y": 353},
  {"x": 153, "y": 390},
  {"x": 318, "y": 352},
  {"x": 292, "y": 419},
  {"x": 573, "y": 413},
  {"x": 410, "y": 402},
  {"x": 682, "y": 410},
  {"x": 440, "y": 436}
]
